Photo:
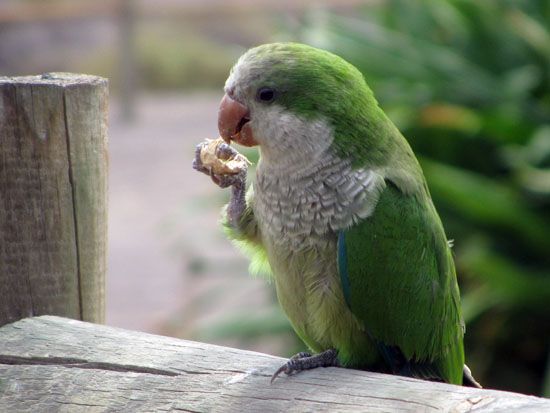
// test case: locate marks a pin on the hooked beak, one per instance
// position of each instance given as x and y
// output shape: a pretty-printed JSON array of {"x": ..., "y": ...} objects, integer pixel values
[{"x": 233, "y": 118}]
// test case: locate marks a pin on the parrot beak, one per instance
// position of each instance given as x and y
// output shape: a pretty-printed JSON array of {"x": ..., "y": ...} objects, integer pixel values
[{"x": 233, "y": 118}]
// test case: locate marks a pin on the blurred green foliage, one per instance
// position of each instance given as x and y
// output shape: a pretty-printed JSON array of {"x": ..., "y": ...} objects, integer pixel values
[
  {"x": 468, "y": 84},
  {"x": 169, "y": 58}
]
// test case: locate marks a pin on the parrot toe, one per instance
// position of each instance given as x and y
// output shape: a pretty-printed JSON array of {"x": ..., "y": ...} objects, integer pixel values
[
  {"x": 224, "y": 181},
  {"x": 197, "y": 162},
  {"x": 224, "y": 151},
  {"x": 306, "y": 361},
  {"x": 300, "y": 355}
]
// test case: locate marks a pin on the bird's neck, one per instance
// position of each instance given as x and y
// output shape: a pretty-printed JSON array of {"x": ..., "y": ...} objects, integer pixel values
[{"x": 308, "y": 201}]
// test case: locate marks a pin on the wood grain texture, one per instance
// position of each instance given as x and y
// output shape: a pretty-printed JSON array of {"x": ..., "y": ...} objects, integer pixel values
[
  {"x": 60, "y": 365},
  {"x": 53, "y": 188}
]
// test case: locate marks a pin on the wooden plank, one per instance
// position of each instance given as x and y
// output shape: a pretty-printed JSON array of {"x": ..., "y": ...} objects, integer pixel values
[
  {"x": 53, "y": 175},
  {"x": 53, "y": 364}
]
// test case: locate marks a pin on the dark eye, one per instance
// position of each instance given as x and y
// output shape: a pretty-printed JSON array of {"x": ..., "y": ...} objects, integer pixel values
[{"x": 265, "y": 94}]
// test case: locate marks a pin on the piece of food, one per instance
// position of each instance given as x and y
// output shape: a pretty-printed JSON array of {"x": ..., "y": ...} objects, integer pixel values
[{"x": 220, "y": 161}]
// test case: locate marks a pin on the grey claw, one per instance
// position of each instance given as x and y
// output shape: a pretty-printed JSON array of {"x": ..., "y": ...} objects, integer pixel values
[
  {"x": 306, "y": 361},
  {"x": 290, "y": 366},
  {"x": 281, "y": 369}
]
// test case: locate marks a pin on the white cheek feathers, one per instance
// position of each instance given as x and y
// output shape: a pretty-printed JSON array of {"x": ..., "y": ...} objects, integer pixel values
[{"x": 288, "y": 141}]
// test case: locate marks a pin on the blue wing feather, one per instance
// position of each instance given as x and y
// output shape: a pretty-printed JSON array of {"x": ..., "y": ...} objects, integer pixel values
[{"x": 343, "y": 266}]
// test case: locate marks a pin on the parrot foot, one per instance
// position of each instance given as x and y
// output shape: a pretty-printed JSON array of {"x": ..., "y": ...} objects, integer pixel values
[
  {"x": 223, "y": 151},
  {"x": 306, "y": 361}
]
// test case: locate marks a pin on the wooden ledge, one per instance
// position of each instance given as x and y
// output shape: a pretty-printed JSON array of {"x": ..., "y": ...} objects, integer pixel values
[{"x": 55, "y": 364}]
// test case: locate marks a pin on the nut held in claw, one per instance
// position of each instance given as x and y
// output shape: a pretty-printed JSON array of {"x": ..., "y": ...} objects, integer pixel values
[{"x": 220, "y": 162}]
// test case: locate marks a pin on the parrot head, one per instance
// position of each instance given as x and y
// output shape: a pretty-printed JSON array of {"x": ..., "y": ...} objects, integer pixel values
[{"x": 295, "y": 101}]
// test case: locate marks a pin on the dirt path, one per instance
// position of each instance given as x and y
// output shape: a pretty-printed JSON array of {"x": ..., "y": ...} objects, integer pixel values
[{"x": 170, "y": 269}]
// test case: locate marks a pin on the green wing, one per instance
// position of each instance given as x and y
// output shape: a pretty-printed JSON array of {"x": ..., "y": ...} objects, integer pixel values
[{"x": 399, "y": 279}]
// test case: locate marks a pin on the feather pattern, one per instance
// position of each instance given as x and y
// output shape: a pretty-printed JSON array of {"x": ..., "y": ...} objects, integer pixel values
[{"x": 299, "y": 202}]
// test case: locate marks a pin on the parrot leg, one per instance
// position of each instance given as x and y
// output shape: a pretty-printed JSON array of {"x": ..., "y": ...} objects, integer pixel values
[
  {"x": 305, "y": 361},
  {"x": 237, "y": 182}
]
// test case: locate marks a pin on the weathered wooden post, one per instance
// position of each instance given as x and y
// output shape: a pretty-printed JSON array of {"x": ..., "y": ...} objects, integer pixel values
[{"x": 53, "y": 190}]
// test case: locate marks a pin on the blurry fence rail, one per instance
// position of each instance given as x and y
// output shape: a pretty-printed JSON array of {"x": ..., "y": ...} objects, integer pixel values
[
  {"x": 52, "y": 364},
  {"x": 30, "y": 12},
  {"x": 19, "y": 12},
  {"x": 53, "y": 189},
  {"x": 127, "y": 14}
]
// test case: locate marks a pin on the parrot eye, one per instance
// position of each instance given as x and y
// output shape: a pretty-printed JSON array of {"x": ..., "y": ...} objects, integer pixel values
[{"x": 265, "y": 94}]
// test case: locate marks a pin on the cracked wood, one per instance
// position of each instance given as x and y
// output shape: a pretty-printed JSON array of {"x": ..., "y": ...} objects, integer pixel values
[
  {"x": 53, "y": 184},
  {"x": 55, "y": 364}
]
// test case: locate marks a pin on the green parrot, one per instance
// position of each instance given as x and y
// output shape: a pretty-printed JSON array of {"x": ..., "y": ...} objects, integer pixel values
[{"x": 341, "y": 215}]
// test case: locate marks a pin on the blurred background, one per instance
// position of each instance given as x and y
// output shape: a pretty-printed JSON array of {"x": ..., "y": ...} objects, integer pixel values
[{"x": 467, "y": 81}]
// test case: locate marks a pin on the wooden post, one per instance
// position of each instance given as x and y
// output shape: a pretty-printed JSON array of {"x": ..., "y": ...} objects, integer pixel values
[
  {"x": 50, "y": 364},
  {"x": 53, "y": 189}
]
